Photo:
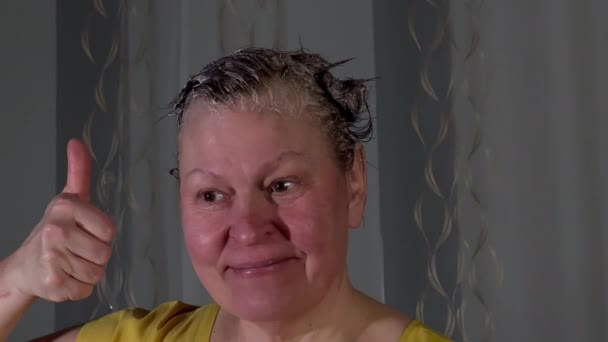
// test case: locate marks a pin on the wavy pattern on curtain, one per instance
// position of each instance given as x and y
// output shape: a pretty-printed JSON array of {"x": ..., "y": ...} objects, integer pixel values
[
  {"x": 251, "y": 23},
  {"x": 126, "y": 188},
  {"x": 129, "y": 52},
  {"x": 462, "y": 85},
  {"x": 113, "y": 188}
]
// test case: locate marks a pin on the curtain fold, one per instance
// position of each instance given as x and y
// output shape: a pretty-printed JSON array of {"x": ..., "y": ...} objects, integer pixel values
[
  {"x": 541, "y": 173},
  {"x": 511, "y": 119}
]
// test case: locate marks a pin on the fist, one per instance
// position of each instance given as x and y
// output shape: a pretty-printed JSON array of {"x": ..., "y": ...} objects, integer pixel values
[{"x": 65, "y": 255}]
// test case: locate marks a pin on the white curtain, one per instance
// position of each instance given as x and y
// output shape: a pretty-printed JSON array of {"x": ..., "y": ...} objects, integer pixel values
[
  {"x": 528, "y": 84},
  {"x": 538, "y": 82}
]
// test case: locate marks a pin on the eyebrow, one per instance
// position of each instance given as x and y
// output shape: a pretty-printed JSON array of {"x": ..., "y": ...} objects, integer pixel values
[
  {"x": 272, "y": 164},
  {"x": 201, "y": 171}
]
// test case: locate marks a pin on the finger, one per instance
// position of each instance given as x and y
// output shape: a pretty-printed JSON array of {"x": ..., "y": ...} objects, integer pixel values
[
  {"x": 86, "y": 246},
  {"x": 73, "y": 289},
  {"x": 94, "y": 221},
  {"x": 82, "y": 270},
  {"x": 79, "y": 170}
]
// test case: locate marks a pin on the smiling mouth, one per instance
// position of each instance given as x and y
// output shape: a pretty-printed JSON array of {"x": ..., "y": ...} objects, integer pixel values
[{"x": 261, "y": 267}]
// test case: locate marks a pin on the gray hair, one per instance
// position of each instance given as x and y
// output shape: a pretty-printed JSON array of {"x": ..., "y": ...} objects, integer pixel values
[{"x": 284, "y": 82}]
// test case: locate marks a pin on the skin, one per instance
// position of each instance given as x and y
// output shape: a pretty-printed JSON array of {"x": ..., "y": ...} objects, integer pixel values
[
  {"x": 266, "y": 210},
  {"x": 65, "y": 254}
]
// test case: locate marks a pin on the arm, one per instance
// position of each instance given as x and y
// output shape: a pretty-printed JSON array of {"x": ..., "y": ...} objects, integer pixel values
[
  {"x": 67, "y": 335},
  {"x": 65, "y": 254},
  {"x": 14, "y": 304}
]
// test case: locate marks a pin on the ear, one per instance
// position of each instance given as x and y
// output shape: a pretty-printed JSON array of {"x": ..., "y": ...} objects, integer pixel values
[{"x": 357, "y": 186}]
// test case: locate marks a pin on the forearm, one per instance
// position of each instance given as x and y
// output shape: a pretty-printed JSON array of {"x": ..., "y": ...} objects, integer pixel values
[{"x": 14, "y": 304}]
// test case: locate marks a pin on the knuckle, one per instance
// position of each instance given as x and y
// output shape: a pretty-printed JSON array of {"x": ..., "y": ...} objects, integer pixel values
[
  {"x": 53, "y": 232},
  {"x": 50, "y": 258},
  {"x": 62, "y": 203},
  {"x": 81, "y": 292},
  {"x": 53, "y": 281},
  {"x": 110, "y": 230},
  {"x": 105, "y": 253},
  {"x": 96, "y": 274},
  {"x": 87, "y": 291}
]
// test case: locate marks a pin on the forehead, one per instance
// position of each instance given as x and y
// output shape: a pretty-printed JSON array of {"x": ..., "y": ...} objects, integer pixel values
[{"x": 248, "y": 135}]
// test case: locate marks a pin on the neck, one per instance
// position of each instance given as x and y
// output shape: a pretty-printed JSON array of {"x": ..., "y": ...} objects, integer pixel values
[{"x": 338, "y": 317}]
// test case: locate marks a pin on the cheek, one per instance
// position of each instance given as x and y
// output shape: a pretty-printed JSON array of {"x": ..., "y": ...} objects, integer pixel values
[
  {"x": 318, "y": 225},
  {"x": 202, "y": 238}
]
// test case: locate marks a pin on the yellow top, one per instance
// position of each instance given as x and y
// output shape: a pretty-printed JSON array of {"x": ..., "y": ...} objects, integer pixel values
[{"x": 176, "y": 321}]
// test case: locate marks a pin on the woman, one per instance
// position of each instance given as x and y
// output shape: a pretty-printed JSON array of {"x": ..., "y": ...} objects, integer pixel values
[{"x": 272, "y": 175}]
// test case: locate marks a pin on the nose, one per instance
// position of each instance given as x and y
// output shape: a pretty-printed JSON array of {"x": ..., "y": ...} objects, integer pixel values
[{"x": 255, "y": 220}]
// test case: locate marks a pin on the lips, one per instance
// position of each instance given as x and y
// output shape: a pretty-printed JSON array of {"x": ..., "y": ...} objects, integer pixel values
[
  {"x": 253, "y": 268},
  {"x": 259, "y": 264}
]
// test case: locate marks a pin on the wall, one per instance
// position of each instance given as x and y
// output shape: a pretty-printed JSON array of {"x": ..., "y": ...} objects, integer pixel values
[{"x": 27, "y": 132}]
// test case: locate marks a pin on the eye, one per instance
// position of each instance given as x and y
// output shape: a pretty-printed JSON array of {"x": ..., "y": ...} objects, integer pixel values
[
  {"x": 281, "y": 186},
  {"x": 211, "y": 196}
]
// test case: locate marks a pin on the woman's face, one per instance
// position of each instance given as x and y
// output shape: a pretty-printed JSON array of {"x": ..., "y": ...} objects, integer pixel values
[{"x": 265, "y": 210}]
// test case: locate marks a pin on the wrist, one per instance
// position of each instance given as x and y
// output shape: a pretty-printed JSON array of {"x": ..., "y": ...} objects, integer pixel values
[
  {"x": 14, "y": 302},
  {"x": 9, "y": 286}
]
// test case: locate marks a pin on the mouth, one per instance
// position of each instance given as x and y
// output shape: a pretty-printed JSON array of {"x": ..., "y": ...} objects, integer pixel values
[{"x": 262, "y": 267}]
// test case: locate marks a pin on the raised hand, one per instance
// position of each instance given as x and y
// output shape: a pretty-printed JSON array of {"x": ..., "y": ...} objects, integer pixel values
[{"x": 65, "y": 255}]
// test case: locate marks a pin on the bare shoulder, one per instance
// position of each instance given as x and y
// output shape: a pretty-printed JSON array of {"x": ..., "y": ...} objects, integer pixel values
[
  {"x": 388, "y": 327},
  {"x": 66, "y": 335},
  {"x": 385, "y": 323}
]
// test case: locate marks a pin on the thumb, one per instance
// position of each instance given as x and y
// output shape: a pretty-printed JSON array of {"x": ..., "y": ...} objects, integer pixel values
[{"x": 79, "y": 170}]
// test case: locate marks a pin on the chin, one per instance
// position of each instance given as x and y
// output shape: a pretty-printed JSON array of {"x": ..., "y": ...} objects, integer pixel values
[{"x": 268, "y": 293}]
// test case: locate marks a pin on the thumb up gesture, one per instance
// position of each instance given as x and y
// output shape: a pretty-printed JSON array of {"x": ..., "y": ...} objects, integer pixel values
[{"x": 65, "y": 255}]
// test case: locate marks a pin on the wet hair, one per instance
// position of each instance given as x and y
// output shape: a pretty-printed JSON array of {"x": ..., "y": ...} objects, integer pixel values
[{"x": 288, "y": 83}]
